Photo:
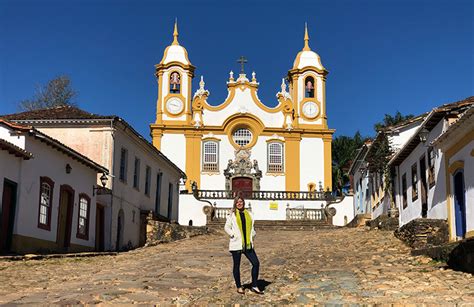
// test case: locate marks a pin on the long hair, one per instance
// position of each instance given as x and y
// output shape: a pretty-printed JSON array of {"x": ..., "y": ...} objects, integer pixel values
[{"x": 234, "y": 208}]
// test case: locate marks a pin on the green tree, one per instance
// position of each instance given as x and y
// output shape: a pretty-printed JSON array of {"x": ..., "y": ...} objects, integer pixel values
[
  {"x": 58, "y": 92},
  {"x": 390, "y": 120},
  {"x": 344, "y": 149}
]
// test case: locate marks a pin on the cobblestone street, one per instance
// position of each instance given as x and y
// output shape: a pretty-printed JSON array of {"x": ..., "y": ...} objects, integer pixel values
[{"x": 324, "y": 266}]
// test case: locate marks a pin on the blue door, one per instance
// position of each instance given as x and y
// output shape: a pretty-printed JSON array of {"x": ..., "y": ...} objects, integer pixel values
[{"x": 459, "y": 204}]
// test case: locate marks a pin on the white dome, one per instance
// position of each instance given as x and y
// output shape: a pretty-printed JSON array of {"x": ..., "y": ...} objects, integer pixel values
[
  {"x": 175, "y": 53},
  {"x": 308, "y": 58}
]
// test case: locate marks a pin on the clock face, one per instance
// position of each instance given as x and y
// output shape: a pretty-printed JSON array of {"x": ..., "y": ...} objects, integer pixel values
[
  {"x": 174, "y": 105},
  {"x": 310, "y": 109}
]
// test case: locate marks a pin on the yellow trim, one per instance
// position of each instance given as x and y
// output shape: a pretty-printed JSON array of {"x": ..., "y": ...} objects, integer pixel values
[
  {"x": 327, "y": 163},
  {"x": 292, "y": 162},
  {"x": 323, "y": 90},
  {"x": 273, "y": 140},
  {"x": 168, "y": 97},
  {"x": 236, "y": 121},
  {"x": 209, "y": 138},
  {"x": 156, "y": 138},
  {"x": 175, "y": 34},
  {"x": 187, "y": 67},
  {"x": 448, "y": 168},
  {"x": 466, "y": 139},
  {"x": 193, "y": 158},
  {"x": 306, "y": 38},
  {"x": 453, "y": 167}
]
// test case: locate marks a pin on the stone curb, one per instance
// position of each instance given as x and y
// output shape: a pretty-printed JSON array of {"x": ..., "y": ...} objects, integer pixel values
[{"x": 52, "y": 256}]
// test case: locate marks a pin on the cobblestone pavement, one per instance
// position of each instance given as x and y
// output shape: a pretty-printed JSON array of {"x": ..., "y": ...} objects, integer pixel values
[{"x": 324, "y": 266}]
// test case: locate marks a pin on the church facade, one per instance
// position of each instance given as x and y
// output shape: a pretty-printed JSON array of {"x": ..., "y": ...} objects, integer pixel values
[{"x": 242, "y": 144}]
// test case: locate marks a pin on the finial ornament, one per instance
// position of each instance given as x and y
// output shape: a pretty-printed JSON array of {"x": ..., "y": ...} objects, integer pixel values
[
  {"x": 175, "y": 33},
  {"x": 306, "y": 38},
  {"x": 254, "y": 79},
  {"x": 201, "y": 83},
  {"x": 231, "y": 76}
]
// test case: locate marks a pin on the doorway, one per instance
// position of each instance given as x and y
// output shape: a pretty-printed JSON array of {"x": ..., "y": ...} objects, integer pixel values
[
  {"x": 99, "y": 228},
  {"x": 120, "y": 222},
  {"x": 242, "y": 186},
  {"x": 424, "y": 190},
  {"x": 66, "y": 207},
  {"x": 7, "y": 214},
  {"x": 459, "y": 204}
]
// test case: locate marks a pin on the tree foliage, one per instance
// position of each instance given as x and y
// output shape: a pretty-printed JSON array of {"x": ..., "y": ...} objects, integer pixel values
[
  {"x": 58, "y": 92},
  {"x": 344, "y": 149},
  {"x": 390, "y": 120}
]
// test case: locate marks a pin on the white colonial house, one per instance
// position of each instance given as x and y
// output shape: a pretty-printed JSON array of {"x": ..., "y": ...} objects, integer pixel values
[
  {"x": 360, "y": 181},
  {"x": 419, "y": 168},
  {"x": 241, "y": 144},
  {"x": 456, "y": 144},
  {"x": 141, "y": 178},
  {"x": 369, "y": 181},
  {"x": 48, "y": 202}
]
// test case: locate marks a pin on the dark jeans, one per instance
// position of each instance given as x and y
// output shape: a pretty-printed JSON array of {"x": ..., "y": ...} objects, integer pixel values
[{"x": 252, "y": 257}]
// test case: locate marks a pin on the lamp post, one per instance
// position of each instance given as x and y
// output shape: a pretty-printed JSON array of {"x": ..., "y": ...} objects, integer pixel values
[{"x": 103, "y": 181}]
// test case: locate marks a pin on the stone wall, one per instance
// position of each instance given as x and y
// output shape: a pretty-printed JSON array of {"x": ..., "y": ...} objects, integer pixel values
[
  {"x": 383, "y": 222},
  {"x": 424, "y": 233},
  {"x": 359, "y": 220},
  {"x": 164, "y": 232}
]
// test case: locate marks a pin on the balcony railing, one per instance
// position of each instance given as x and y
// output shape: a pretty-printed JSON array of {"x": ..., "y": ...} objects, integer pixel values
[{"x": 264, "y": 195}]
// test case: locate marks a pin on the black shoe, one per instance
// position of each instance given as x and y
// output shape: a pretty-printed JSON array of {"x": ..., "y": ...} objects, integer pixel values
[{"x": 256, "y": 290}]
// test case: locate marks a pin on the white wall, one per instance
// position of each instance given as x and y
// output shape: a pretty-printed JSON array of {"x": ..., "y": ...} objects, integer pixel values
[
  {"x": 436, "y": 195},
  {"x": 464, "y": 154},
  {"x": 311, "y": 162}
]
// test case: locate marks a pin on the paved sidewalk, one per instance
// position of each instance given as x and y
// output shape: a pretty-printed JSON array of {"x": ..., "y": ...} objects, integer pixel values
[{"x": 324, "y": 266}]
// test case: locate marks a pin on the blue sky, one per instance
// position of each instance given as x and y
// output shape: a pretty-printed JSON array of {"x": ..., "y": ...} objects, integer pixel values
[{"x": 382, "y": 55}]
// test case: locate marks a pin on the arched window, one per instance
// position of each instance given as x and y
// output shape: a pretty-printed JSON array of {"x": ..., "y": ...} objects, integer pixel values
[
  {"x": 242, "y": 136},
  {"x": 309, "y": 87},
  {"x": 210, "y": 161},
  {"x": 83, "y": 217},
  {"x": 275, "y": 157},
  {"x": 45, "y": 203},
  {"x": 175, "y": 82}
]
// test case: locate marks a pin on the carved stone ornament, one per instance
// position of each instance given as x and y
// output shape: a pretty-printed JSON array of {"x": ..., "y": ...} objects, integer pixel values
[{"x": 243, "y": 166}]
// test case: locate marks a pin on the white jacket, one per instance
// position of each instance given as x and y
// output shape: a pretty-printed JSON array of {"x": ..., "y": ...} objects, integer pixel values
[{"x": 232, "y": 229}]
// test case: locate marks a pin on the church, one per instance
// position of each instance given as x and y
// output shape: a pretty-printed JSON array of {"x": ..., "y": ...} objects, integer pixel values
[{"x": 241, "y": 144}]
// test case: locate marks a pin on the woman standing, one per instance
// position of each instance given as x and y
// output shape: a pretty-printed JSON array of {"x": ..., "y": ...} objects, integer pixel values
[{"x": 239, "y": 226}]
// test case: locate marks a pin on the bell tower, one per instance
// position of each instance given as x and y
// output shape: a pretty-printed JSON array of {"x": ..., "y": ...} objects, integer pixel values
[
  {"x": 174, "y": 75},
  {"x": 307, "y": 81}
]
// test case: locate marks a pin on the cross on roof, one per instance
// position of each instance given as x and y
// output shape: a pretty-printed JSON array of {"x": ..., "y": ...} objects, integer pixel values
[{"x": 242, "y": 60}]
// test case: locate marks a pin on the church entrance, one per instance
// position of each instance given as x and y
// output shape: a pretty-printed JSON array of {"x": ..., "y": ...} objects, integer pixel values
[{"x": 242, "y": 186}]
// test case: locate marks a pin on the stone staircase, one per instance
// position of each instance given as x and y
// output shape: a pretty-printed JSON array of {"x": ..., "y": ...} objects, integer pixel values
[{"x": 290, "y": 225}]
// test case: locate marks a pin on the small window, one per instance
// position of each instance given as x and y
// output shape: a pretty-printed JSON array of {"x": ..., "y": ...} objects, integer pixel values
[
  {"x": 431, "y": 167},
  {"x": 414, "y": 182},
  {"x": 404, "y": 191},
  {"x": 309, "y": 87},
  {"x": 242, "y": 136},
  {"x": 123, "y": 164},
  {"x": 45, "y": 203},
  {"x": 83, "y": 219},
  {"x": 210, "y": 156},
  {"x": 136, "y": 174},
  {"x": 175, "y": 83},
  {"x": 275, "y": 157},
  {"x": 147, "y": 180}
]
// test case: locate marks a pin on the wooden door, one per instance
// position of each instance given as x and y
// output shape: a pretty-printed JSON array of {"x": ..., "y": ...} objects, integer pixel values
[
  {"x": 99, "y": 228},
  {"x": 7, "y": 214},
  {"x": 242, "y": 186},
  {"x": 424, "y": 188},
  {"x": 66, "y": 205}
]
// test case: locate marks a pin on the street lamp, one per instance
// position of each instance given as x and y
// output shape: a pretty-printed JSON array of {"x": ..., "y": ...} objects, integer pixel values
[
  {"x": 423, "y": 135},
  {"x": 103, "y": 181}
]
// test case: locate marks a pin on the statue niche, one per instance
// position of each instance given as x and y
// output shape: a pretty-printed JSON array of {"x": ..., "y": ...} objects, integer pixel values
[{"x": 242, "y": 175}]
